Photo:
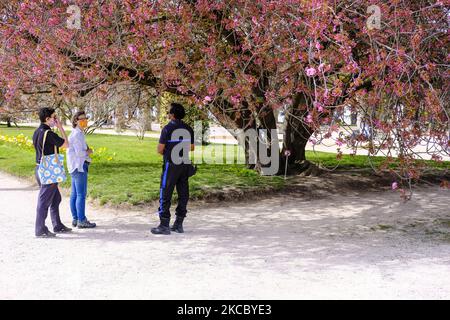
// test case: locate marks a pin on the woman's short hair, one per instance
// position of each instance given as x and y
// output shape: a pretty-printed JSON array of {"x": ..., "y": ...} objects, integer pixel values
[{"x": 75, "y": 118}]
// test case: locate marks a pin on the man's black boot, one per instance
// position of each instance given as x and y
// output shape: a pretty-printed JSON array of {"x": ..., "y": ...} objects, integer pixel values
[
  {"x": 163, "y": 227},
  {"x": 178, "y": 225}
]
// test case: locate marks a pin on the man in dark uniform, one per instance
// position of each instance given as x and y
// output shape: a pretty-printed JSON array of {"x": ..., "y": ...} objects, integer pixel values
[
  {"x": 177, "y": 139},
  {"x": 49, "y": 195}
]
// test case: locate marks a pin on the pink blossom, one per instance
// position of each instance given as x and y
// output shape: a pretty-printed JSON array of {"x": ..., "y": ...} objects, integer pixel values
[
  {"x": 321, "y": 67},
  {"x": 309, "y": 118},
  {"x": 132, "y": 48},
  {"x": 394, "y": 185},
  {"x": 318, "y": 106},
  {"x": 311, "y": 72},
  {"x": 10, "y": 91},
  {"x": 36, "y": 70},
  {"x": 53, "y": 22},
  {"x": 318, "y": 45},
  {"x": 212, "y": 89},
  {"x": 235, "y": 99},
  {"x": 207, "y": 99},
  {"x": 377, "y": 123}
]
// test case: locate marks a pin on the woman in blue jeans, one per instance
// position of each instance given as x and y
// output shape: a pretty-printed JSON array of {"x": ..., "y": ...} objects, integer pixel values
[{"x": 78, "y": 161}]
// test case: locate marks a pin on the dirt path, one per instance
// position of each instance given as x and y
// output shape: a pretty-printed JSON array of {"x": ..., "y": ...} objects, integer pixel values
[{"x": 352, "y": 246}]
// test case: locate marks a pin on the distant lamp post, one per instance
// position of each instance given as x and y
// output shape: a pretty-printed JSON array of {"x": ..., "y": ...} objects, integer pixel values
[{"x": 287, "y": 153}]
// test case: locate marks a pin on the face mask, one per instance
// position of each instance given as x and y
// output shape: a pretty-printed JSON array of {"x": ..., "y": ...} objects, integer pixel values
[
  {"x": 51, "y": 123},
  {"x": 83, "y": 123}
]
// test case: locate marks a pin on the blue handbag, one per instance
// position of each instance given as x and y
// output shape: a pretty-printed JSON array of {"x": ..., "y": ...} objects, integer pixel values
[{"x": 51, "y": 169}]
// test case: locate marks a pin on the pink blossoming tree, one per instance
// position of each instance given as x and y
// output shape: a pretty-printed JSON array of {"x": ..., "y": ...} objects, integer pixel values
[{"x": 245, "y": 60}]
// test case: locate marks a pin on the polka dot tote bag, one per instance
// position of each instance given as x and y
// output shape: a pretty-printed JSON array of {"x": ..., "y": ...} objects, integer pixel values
[{"x": 51, "y": 169}]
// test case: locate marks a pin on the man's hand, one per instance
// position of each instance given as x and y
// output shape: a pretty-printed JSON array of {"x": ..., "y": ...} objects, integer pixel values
[
  {"x": 58, "y": 123},
  {"x": 160, "y": 148}
]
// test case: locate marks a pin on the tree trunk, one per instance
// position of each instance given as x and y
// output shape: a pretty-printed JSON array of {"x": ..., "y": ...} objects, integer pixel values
[
  {"x": 8, "y": 122},
  {"x": 296, "y": 136},
  {"x": 119, "y": 120},
  {"x": 268, "y": 122},
  {"x": 232, "y": 120},
  {"x": 147, "y": 118}
]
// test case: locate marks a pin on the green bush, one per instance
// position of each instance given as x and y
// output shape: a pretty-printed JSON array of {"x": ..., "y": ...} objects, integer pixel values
[{"x": 193, "y": 113}]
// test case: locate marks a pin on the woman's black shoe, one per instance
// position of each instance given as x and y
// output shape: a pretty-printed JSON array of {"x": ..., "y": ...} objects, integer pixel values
[
  {"x": 62, "y": 229},
  {"x": 46, "y": 234}
]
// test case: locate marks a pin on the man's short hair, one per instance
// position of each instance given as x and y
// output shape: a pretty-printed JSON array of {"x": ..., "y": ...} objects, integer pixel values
[
  {"x": 177, "y": 110},
  {"x": 45, "y": 113}
]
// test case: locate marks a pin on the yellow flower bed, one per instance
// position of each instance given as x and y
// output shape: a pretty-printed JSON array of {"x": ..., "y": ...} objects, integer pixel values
[
  {"x": 102, "y": 154},
  {"x": 20, "y": 141}
]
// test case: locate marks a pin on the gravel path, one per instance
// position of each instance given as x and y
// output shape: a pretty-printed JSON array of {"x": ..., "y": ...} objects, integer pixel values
[{"x": 354, "y": 246}]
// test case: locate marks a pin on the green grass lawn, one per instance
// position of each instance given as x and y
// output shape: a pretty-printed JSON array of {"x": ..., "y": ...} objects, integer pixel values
[{"x": 133, "y": 176}]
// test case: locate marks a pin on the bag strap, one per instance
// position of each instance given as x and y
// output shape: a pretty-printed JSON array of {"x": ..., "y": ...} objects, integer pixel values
[{"x": 43, "y": 144}]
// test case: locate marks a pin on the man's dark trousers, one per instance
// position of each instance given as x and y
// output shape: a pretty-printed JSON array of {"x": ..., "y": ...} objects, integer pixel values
[
  {"x": 174, "y": 175},
  {"x": 49, "y": 197}
]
